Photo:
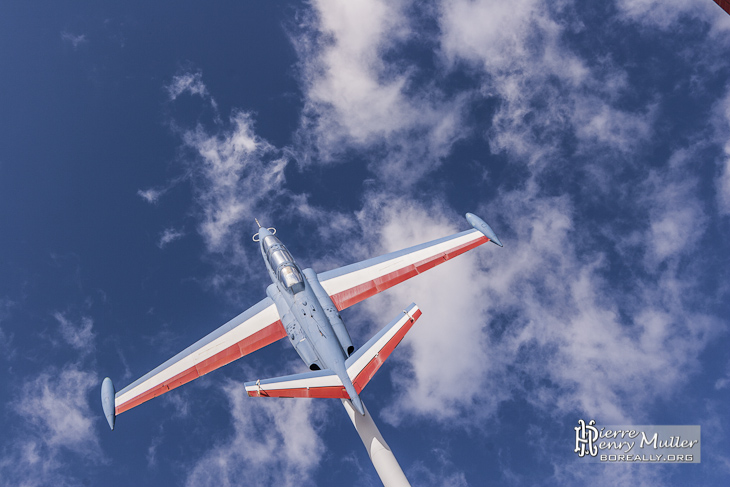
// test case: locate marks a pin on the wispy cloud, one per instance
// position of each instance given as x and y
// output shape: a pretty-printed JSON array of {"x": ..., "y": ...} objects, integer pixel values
[
  {"x": 547, "y": 90},
  {"x": 56, "y": 421},
  {"x": 151, "y": 195},
  {"x": 537, "y": 308},
  {"x": 233, "y": 174},
  {"x": 54, "y": 404},
  {"x": 354, "y": 98},
  {"x": 73, "y": 39},
  {"x": 152, "y": 449},
  {"x": 190, "y": 83},
  {"x": 169, "y": 235},
  {"x": 677, "y": 216},
  {"x": 724, "y": 381},
  {"x": 286, "y": 453},
  {"x": 79, "y": 335}
]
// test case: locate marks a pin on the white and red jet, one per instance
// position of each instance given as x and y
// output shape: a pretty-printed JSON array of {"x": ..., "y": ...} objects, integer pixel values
[{"x": 304, "y": 306}]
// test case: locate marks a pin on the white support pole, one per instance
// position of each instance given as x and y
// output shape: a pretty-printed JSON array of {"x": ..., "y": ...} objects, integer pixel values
[{"x": 383, "y": 459}]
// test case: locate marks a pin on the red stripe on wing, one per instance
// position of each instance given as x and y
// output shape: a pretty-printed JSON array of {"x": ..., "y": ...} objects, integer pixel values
[
  {"x": 260, "y": 339},
  {"x": 312, "y": 392},
  {"x": 263, "y": 337},
  {"x": 219, "y": 359},
  {"x": 450, "y": 254},
  {"x": 354, "y": 295},
  {"x": 396, "y": 277}
]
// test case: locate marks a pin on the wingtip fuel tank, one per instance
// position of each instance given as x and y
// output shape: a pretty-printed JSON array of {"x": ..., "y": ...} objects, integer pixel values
[
  {"x": 482, "y": 226},
  {"x": 107, "y": 401}
]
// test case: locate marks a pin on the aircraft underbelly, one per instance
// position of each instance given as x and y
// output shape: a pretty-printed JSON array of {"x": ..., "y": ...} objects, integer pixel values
[
  {"x": 330, "y": 311},
  {"x": 319, "y": 332},
  {"x": 314, "y": 328},
  {"x": 308, "y": 328}
]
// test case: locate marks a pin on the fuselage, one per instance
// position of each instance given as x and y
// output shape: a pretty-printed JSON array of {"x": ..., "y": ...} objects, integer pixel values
[{"x": 311, "y": 319}]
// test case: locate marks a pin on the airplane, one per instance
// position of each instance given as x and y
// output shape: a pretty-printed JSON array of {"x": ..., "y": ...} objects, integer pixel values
[{"x": 304, "y": 307}]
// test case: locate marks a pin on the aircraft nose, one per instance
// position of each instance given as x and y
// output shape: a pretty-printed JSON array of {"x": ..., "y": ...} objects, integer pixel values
[{"x": 261, "y": 233}]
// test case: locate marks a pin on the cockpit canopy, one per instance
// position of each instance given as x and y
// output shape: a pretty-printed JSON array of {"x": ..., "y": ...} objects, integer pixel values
[{"x": 282, "y": 264}]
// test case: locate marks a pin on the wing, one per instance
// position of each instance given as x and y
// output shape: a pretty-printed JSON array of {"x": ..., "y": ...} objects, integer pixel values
[
  {"x": 353, "y": 283},
  {"x": 253, "y": 329}
]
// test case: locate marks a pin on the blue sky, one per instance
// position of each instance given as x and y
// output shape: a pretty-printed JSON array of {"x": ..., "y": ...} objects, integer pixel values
[{"x": 139, "y": 142}]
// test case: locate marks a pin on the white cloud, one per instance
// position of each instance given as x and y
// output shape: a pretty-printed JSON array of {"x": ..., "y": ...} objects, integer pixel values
[
  {"x": 169, "y": 235},
  {"x": 284, "y": 453},
  {"x": 598, "y": 122},
  {"x": 56, "y": 421},
  {"x": 74, "y": 40},
  {"x": 724, "y": 381},
  {"x": 150, "y": 195},
  {"x": 448, "y": 355},
  {"x": 152, "y": 449},
  {"x": 153, "y": 195},
  {"x": 54, "y": 406},
  {"x": 234, "y": 174},
  {"x": 191, "y": 83},
  {"x": 723, "y": 185},
  {"x": 343, "y": 73},
  {"x": 79, "y": 335},
  {"x": 355, "y": 98},
  {"x": 538, "y": 308},
  {"x": 179, "y": 403},
  {"x": 494, "y": 34},
  {"x": 677, "y": 218},
  {"x": 545, "y": 89}
]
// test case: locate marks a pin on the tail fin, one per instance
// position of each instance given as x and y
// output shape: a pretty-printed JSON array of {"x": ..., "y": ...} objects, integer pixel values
[{"x": 361, "y": 366}]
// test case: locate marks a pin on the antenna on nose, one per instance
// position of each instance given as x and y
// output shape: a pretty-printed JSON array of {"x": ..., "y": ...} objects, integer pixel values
[{"x": 256, "y": 236}]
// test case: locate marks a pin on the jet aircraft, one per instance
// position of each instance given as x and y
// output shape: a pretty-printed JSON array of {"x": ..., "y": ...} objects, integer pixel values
[{"x": 304, "y": 307}]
